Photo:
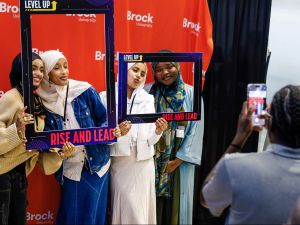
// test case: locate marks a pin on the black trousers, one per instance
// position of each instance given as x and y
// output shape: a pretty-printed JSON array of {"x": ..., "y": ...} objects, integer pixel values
[{"x": 13, "y": 196}]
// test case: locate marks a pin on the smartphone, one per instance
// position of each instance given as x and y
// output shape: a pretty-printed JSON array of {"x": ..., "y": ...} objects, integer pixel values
[{"x": 257, "y": 96}]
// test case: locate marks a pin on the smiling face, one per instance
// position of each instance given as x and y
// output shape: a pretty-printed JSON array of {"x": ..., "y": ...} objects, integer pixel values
[
  {"x": 136, "y": 75},
  {"x": 37, "y": 72},
  {"x": 166, "y": 73},
  {"x": 60, "y": 73}
]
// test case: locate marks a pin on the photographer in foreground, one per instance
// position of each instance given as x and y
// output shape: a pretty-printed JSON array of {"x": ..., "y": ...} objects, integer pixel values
[{"x": 260, "y": 188}]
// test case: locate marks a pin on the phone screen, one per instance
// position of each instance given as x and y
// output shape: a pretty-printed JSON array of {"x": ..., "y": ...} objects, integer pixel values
[{"x": 257, "y": 94}]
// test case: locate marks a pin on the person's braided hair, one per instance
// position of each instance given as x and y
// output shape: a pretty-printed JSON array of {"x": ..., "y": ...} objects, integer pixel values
[{"x": 285, "y": 111}]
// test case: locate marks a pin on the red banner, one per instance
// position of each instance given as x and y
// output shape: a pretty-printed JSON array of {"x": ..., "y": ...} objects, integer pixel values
[{"x": 140, "y": 26}]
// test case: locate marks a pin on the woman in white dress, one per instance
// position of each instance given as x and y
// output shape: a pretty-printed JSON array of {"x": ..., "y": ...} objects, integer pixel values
[{"x": 133, "y": 199}]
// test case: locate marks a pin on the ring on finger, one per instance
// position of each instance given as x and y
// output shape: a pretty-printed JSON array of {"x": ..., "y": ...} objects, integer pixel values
[{"x": 28, "y": 119}]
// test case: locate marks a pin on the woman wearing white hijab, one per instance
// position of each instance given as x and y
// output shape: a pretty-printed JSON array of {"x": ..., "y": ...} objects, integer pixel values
[
  {"x": 72, "y": 104},
  {"x": 132, "y": 174}
]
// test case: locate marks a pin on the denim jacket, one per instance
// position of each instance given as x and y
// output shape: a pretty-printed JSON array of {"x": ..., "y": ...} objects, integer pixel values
[{"x": 89, "y": 112}]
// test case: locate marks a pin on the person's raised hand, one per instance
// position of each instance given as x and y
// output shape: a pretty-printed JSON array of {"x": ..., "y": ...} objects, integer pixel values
[
  {"x": 125, "y": 126},
  {"x": 67, "y": 150},
  {"x": 117, "y": 132},
  {"x": 267, "y": 117},
  {"x": 161, "y": 125},
  {"x": 244, "y": 127},
  {"x": 245, "y": 124},
  {"x": 23, "y": 119}
]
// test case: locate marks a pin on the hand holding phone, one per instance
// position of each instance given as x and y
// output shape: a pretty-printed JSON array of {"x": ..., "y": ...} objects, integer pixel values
[{"x": 256, "y": 96}]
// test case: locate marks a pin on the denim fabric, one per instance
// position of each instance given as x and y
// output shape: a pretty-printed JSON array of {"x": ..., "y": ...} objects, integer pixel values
[
  {"x": 13, "y": 190},
  {"x": 89, "y": 112},
  {"x": 84, "y": 202}
]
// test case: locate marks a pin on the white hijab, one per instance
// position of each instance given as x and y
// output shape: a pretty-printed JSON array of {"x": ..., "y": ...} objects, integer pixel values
[
  {"x": 54, "y": 96},
  {"x": 139, "y": 92}
]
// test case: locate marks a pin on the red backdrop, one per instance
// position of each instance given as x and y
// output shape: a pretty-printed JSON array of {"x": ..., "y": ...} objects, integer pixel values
[{"x": 140, "y": 26}]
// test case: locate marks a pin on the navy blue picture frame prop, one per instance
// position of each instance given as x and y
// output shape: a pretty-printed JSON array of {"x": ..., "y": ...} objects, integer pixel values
[
  {"x": 125, "y": 58},
  {"x": 90, "y": 136}
]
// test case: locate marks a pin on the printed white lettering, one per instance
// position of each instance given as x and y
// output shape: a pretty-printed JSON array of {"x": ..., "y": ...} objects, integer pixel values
[
  {"x": 44, "y": 216},
  {"x": 191, "y": 25},
  {"x": 32, "y": 4},
  {"x": 37, "y": 51},
  {"x": 5, "y": 8},
  {"x": 46, "y": 4},
  {"x": 99, "y": 56},
  {"x": 2, "y": 7},
  {"x": 83, "y": 15},
  {"x": 140, "y": 18},
  {"x": 117, "y": 56}
]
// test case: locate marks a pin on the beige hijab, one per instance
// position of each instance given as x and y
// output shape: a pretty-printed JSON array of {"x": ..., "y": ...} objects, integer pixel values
[{"x": 55, "y": 96}]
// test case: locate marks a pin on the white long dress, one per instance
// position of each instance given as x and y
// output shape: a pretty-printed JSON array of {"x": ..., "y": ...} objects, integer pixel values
[
  {"x": 133, "y": 198},
  {"x": 133, "y": 190}
]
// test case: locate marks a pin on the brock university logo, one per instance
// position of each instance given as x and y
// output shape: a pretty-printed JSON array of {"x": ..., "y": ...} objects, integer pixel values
[
  {"x": 145, "y": 20},
  {"x": 47, "y": 217},
  {"x": 194, "y": 27}
]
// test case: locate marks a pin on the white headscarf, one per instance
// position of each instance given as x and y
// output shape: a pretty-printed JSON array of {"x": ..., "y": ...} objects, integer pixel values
[
  {"x": 52, "y": 95},
  {"x": 50, "y": 59},
  {"x": 138, "y": 92}
]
